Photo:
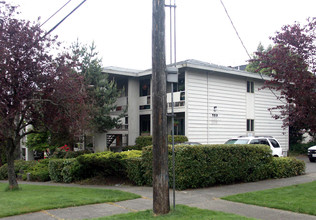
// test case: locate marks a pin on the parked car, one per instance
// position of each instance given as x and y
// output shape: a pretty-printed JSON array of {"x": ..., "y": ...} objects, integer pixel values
[
  {"x": 189, "y": 143},
  {"x": 311, "y": 152},
  {"x": 266, "y": 140}
]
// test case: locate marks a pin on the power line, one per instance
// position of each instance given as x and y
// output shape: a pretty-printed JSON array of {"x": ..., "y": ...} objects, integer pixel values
[
  {"x": 246, "y": 49},
  {"x": 54, "y": 13},
  {"x": 64, "y": 19}
]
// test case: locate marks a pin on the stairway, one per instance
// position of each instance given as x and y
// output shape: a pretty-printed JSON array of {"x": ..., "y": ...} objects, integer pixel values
[{"x": 109, "y": 139}]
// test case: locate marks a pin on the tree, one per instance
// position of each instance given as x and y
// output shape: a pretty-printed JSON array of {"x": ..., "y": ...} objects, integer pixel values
[
  {"x": 102, "y": 91},
  {"x": 160, "y": 148},
  {"x": 36, "y": 88},
  {"x": 292, "y": 65},
  {"x": 253, "y": 66}
]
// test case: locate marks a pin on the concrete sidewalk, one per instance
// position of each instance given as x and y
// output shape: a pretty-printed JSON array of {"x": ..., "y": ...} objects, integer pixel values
[{"x": 207, "y": 198}]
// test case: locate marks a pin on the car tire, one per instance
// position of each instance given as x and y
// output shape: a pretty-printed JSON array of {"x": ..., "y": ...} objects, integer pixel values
[{"x": 311, "y": 159}]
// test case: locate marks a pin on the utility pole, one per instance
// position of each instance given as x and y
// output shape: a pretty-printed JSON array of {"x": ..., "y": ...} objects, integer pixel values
[{"x": 161, "y": 204}]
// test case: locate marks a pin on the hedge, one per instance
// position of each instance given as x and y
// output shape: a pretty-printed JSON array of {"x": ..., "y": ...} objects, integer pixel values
[
  {"x": 301, "y": 148},
  {"x": 283, "y": 167},
  {"x": 143, "y": 141},
  {"x": 65, "y": 170},
  {"x": 19, "y": 166},
  {"x": 208, "y": 165},
  {"x": 38, "y": 172},
  {"x": 106, "y": 163}
]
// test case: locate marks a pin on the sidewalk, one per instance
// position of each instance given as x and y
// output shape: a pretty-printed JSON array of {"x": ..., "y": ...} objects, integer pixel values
[{"x": 207, "y": 198}]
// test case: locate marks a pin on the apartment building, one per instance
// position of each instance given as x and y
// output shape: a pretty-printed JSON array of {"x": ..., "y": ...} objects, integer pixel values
[{"x": 211, "y": 103}]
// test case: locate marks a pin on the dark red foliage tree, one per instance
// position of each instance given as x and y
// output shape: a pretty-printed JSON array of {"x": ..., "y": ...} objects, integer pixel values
[
  {"x": 37, "y": 88},
  {"x": 292, "y": 65}
]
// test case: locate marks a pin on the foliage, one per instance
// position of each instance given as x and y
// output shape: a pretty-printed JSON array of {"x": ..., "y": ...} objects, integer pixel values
[
  {"x": 207, "y": 165},
  {"x": 102, "y": 92},
  {"x": 33, "y": 198},
  {"x": 283, "y": 167},
  {"x": 20, "y": 166},
  {"x": 254, "y": 64},
  {"x": 59, "y": 154},
  {"x": 38, "y": 172},
  {"x": 301, "y": 148},
  {"x": 106, "y": 163},
  {"x": 37, "y": 88},
  {"x": 143, "y": 141},
  {"x": 38, "y": 141},
  {"x": 135, "y": 171},
  {"x": 292, "y": 65},
  {"x": 297, "y": 198},
  {"x": 180, "y": 212},
  {"x": 55, "y": 168}
]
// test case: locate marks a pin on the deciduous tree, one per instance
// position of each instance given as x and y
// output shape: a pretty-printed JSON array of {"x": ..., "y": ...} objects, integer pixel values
[
  {"x": 36, "y": 88},
  {"x": 292, "y": 65}
]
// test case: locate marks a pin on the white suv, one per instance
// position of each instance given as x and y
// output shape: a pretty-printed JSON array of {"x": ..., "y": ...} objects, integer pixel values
[{"x": 267, "y": 140}]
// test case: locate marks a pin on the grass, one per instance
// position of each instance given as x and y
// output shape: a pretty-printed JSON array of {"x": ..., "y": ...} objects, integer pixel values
[
  {"x": 297, "y": 198},
  {"x": 33, "y": 198},
  {"x": 181, "y": 212}
]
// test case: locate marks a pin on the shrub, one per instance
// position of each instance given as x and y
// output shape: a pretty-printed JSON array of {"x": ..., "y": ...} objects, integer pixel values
[
  {"x": 55, "y": 168},
  {"x": 301, "y": 148},
  {"x": 207, "y": 165},
  {"x": 72, "y": 170},
  {"x": 144, "y": 141},
  {"x": 106, "y": 163},
  {"x": 20, "y": 166},
  {"x": 134, "y": 171},
  {"x": 62, "y": 154},
  {"x": 282, "y": 167},
  {"x": 38, "y": 172}
]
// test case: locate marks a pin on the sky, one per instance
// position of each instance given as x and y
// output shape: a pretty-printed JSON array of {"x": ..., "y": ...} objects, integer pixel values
[{"x": 122, "y": 29}]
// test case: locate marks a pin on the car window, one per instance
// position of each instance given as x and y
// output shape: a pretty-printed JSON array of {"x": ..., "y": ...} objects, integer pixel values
[
  {"x": 274, "y": 143},
  {"x": 231, "y": 141},
  {"x": 241, "y": 141},
  {"x": 254, "y": 141},
  {"x": 264, "y": 141}
]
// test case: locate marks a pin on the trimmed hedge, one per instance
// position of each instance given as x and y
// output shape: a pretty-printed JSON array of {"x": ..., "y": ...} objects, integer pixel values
[
  {"x": 106, "y": 163},
  {"x": 144, "y": 141},
  {"x": 207, "y": 165},
  {"x": 283, "y": 167},
  {"x": 135, "y": 171}
]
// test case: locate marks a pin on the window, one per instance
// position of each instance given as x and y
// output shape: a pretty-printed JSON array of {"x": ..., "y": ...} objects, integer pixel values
[
  {"x": 250, "y": 87},
  {"x": 144, "y": 87},
  {"x": 274, "y": 143},
  {"x": 250, "y": 125}
]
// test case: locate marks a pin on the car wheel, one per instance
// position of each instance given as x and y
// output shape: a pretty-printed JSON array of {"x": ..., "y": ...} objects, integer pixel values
[{"x": 311, "y": 159}]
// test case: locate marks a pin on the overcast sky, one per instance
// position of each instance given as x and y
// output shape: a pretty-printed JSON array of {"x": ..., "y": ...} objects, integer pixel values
[{"x": 121, "y": 29}]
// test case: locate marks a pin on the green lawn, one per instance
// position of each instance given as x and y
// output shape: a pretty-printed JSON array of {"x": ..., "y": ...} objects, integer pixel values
[
  {"x": 297, "y": 198},
  {"x": 181, "y": 212},
  {"x": 33, "y": 198}
]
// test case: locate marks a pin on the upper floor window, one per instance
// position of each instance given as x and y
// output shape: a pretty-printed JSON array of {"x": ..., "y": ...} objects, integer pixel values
[
  {"x": 250, "y": 87},
  {"x": 144, "y": 87},
  {"x": 250, "y": 125}
]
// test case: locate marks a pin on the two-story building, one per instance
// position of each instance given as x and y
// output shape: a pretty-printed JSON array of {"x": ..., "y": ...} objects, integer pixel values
[{"x": 211, "y": 103}]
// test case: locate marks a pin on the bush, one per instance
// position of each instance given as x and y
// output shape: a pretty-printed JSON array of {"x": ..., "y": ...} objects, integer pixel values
[
  {"x": 207, "y": 165},
  {"x": 106, "y": 163},
  {"x": 20, "y": 166},
  {"x": 62, "y": 154},
  {"x": 65, "y": 170},
  {"x": 55, "y": 168},
  {"x": 301, "y": 148},
  {"x": 134, "y": 171},
  {"x": 38, "y": 172},
  {"x": 282, "y": 167},
  {"x": 144, "y": 141}
]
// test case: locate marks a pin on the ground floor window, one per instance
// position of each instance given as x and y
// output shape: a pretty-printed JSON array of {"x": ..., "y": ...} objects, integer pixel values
[{"x": 144, "y": 124}]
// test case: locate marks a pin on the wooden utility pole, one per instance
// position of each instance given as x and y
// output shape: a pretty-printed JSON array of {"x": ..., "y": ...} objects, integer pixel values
[{"x": 161, "y": 204}]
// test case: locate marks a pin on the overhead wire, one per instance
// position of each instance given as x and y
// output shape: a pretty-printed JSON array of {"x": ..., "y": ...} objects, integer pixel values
[
  {"x": 231, "y": 21},
  {"x": 54, "y": 14},
  {"x": 64, "y": 19}
]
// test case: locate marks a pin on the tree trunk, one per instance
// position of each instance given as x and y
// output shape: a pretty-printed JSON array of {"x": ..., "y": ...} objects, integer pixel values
[
  {"x": 161, "y": 203},
  {"x": 13, "y": 184}
]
